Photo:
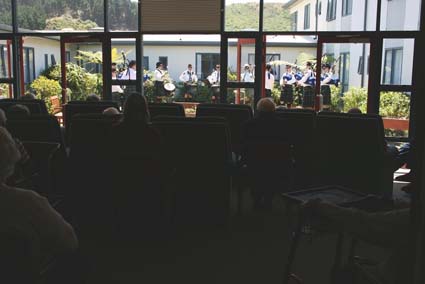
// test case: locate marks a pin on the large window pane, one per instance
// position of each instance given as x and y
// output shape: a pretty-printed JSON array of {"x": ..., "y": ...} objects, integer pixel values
[
  {"x": 330, "y": 15},
  {"x": 242, "y": 15},
  {"x": 176, "y": 53},
  {"x": 397, "y": 61},
  {"x": 84, "y": 70},
  {"x": 288, "y": 57},
  {"x": 6, "y": 91},
  {"x": 402, "y": 15},
  {"x": 124, "y": 68},
  {"x": 241, "y": 60},
  {"x": 5, "y": 16},
  {"x": 345, "y": 76},
  {"x": 5, "y": 59},
  {"x": 123, "y": 15},
  {"x": 394, "y": 107},
  {"x": 60, "y": 15}
]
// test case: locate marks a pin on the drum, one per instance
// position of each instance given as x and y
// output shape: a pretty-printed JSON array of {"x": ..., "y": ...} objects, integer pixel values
[
  {"x": 308, "y": 97},
  {"x": 169, "y": 89},
  {"x": 159, "y": 90},
  {"x": 287, "y": 94},
  {"x": 325, "y": 90}
]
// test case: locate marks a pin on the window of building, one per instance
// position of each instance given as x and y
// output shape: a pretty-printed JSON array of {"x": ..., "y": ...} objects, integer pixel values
[
  {"x": 52, "y": 59},
  {"x": 294, "y": 21},
  {"x": 360, "y": 67},
  {"x": 164, "y": 61},
  {"x": 331, "y": 10},
  {"x": 3, "y": 70},
  {"x": 145, "y": 62},
  {"x": 68, "y": 56},
  {"x": 344, "y": 71},
  {"x": 205, "y": 64},
  {"x": 347, "y": 7},
  {"x": 393, "y": 66},
  {"x": 307, "y": 16},
  {"x": 46, "y": 61},
  {"x": 29, "y": 65},
  {"x": 319, "y": 8}
]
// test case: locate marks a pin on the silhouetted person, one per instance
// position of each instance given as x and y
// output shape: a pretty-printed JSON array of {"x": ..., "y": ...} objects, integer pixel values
[
  {"x": 28, "y": 97},
  {"x": 354, "y": 110},
  {"x": 93, "y": 98},
  {"x": 28, "y": 214},
  {"x": 17, "y": 112},
  {"x": 111, "y": 111},
  {"x": 259, "y": 133}
]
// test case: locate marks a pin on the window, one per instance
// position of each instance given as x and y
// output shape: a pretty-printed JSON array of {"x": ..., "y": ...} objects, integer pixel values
[
  {"x": 46, "y": 61},
  {"x": 344, "y": 68},
  {"x": 164, "y": 61},
  {"x": 3, "y": 71},
  {"x": 294, "y": 21},
  {"x": 52, "y": 59},
  {"x": 392, "y": 66},
  {"x": 331, "y": 11},
  {"x": 360, "y": 67},
  {"x": 307, "y": 16},
  {"x": 205, "y": 64},
  {"x": 145, "y": 63},
  {"x": 319, "y": 8},
  {"x": 347, "y": 7},
  {"x": 29, "y": 65}
]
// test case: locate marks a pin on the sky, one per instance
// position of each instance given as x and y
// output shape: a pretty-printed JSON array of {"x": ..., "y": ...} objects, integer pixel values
[{"x": 256, "y": 1}]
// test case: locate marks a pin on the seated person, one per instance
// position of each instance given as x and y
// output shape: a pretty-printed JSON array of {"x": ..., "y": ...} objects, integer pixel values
[
  {"x": 354, "y": 110},
  {"x": 134, "y": 132},
  {"x": 93, "y": 98},
  {"x": 265, "y": 128},
  {"x": 111, "y": 111},
  {"x": 18, "y": 112},
  {"x": 26, "y": 213},
  {"x": 22, "y": 167},
  {"x": 28, "y": 97},
  {"x": 388, "y": 229}
]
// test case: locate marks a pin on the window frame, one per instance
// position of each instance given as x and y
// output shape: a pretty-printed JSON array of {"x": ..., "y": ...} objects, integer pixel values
[
  {"x": 198, "y": 69},
  {"x": 331, "y": 10},
  {"x": 294, "y": 21},
  {"x": 347, "y": 7},
  {"x": 393, "y": 51},
  {"x": 344, "y": 72},
  {"x": 307, "y": 10},
  {"x": 161, "y": 59},
  {"x": 29, "y": 67},
  {"x": 3, "y": 70}
]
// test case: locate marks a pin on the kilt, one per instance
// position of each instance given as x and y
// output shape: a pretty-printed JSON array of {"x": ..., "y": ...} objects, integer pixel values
[
  {"x": 308, "y": 96},
  {"x": 325, "y": 90},
  {"x": 159, "y": 90},
  {"x": 287, "y": 94}
]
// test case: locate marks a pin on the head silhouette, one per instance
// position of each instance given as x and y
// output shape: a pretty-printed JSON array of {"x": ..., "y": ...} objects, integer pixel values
[{"x": 136, "y": 108}]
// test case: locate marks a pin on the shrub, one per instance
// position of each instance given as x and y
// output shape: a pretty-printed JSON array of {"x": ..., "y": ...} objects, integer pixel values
[
  {"x": 45, "y": 88},
  {"x": 395, "y": 105},
  {"x": 80, "y": 82},
  {"x": 355, "y": 98}
]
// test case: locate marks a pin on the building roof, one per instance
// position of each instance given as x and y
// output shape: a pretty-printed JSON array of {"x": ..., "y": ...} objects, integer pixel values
[{"x": 290, "y": 3}]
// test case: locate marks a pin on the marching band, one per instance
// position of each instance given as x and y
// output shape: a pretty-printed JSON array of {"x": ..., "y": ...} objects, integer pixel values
[{"x": 289, "y": 81}]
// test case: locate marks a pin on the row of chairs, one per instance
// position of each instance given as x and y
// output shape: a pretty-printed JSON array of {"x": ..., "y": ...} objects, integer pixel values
[{"x": 332, "y": 146}]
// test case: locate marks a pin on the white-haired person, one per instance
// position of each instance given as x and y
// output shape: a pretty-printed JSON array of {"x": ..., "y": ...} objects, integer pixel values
[{"x": 26, "y": 213}]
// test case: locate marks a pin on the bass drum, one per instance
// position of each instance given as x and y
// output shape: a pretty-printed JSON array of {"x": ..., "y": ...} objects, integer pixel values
[{"x": 169, "y": 89}]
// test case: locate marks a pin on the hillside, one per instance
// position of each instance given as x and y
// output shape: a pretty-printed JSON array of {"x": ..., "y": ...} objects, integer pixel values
[{"x": 246, "y": 17}]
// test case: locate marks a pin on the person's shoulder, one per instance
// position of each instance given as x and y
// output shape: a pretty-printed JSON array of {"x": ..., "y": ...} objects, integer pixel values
[{"x": 24, "y": 196}]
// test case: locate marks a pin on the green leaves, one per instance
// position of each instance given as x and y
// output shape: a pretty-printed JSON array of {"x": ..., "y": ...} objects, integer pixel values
[{"x": 46, "y": 88}]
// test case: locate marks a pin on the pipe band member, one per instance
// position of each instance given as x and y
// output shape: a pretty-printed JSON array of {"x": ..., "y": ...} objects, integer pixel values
[
  {"x": 326, "y": 79},
  {"x": 269, "y": 81},
  {"x": 159, "y": 80},
  {"x": 307, "y": 82},
  {"x": 214, "y": 79},
  {"x": 287, "y": 86},
  {"x": 189, "y": 79}
]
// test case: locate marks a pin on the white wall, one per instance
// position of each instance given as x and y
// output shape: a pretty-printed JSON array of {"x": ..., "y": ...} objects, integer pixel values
[{"x": 41, "y": 47}]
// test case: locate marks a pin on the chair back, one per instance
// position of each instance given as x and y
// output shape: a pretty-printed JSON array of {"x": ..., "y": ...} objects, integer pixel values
[
  {"x": 34, "y": 107},
  {"x": 236, "y": 116},
  {"x": 168, "y": 109}
]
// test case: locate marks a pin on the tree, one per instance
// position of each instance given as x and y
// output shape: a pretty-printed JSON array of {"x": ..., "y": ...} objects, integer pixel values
[{"x": 65, "y": 21}]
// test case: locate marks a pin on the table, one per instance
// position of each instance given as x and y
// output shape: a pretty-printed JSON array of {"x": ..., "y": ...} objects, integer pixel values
[{"x": 189, "y": 108}]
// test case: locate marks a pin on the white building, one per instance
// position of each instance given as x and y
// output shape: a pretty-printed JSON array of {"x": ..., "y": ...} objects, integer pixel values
[{"x": 360, "y": 15}]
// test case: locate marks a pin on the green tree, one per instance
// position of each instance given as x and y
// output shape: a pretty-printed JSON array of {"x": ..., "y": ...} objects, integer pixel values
[{"x": 65, "y": 21}]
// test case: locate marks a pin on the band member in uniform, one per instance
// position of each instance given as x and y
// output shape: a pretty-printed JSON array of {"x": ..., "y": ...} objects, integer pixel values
[
  {"x": 189, "y": 78},
  {"x": 159, "y": 80},
  {"x": 116, "y": 90},
  {"x": 325, "y": 89},
  {"x": 248, "y": 76},
  {"x": 129, "y": 74},
  {"x": 287, "y": 86},
  {"x": 308, "y": 82},
  {"x": 214, "y": 80},
  {"x": 269, "y": 81}
]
